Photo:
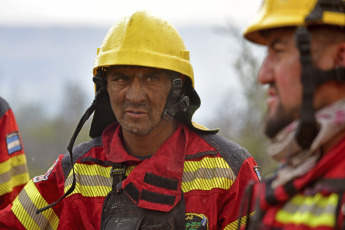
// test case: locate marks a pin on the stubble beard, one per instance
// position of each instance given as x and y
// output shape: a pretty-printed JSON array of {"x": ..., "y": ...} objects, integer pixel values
[
  {"x": 140, "y": 128},
  {"x": 278, "y": 121}
]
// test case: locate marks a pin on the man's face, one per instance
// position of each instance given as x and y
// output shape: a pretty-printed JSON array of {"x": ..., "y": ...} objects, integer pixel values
[
  {"x": 281, "y": 70},
  {"x": 138, "y": 96}
]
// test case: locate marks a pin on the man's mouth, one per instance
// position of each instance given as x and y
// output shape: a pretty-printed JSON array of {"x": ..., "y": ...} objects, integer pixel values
[
  {"x": 272, "y": 97},
  {"x": 134, "y": 113}
]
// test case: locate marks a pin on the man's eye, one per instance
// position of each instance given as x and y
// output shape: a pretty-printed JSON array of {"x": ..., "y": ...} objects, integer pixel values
[
  {"x": 150, "y": 78},
  {"x": 120, "y": 78}
]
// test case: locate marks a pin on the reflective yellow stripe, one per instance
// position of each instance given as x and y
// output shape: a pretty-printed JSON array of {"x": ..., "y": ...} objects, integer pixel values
[
  {"x": 233, "y": 225},
  {"x": 92, "y": 180},
  {"x": 13, "y": 172},
  {"x": 25, "y": 206},
  {"x": 12, "y": 162},
  {"x": 206, "y": 174},
  {"x": 206, "y": 162},
  {"x": 311, "y": 211},
  {"x": 17, "y": 180}
]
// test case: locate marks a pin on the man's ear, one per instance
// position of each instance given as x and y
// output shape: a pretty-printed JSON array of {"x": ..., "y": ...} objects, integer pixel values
[{"x": 340, "y": 58}]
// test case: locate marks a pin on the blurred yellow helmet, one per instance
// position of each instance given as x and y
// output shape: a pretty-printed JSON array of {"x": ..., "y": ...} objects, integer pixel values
[
  {"x": 287, "y": 13},
  {"x": 144, "y": 40}
]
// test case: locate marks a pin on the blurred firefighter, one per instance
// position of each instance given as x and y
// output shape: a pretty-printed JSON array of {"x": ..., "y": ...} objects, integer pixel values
[{"x": 304, "y": 71}]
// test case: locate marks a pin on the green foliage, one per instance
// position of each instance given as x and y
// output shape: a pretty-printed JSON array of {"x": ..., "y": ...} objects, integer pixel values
[
  {"x": 240, "y": 116},
  {"x": 44, "y": 138}
]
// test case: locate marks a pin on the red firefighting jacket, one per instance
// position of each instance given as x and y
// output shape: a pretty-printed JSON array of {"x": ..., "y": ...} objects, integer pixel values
[
  {"x": 13, "y": 168},
  {"x": 211, "y": 171},
  {"x": 313, "y": 201}
]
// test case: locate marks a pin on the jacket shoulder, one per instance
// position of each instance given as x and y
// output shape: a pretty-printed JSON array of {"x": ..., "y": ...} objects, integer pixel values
[
  {"x": 79, "y": 151},
  {"x": 4, "y": 107},
  {"x": 233, "y": 153}
]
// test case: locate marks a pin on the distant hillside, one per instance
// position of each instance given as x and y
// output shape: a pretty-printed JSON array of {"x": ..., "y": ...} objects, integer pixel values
[{"x": 36, "y": 63}]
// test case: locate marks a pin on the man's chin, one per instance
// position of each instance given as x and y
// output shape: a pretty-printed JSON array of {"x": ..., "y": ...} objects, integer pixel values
[
  {"x": 276, "y": 123},
  {"x": 136, "y": 130}
]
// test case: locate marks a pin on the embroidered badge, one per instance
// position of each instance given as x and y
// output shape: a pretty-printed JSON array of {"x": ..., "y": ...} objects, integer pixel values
[
  {"x": 45, "y": 176},
  {"x": 196, "y": 221},
  {"x": 257, "y": 172},
  {"x": 13, "y": 142}
]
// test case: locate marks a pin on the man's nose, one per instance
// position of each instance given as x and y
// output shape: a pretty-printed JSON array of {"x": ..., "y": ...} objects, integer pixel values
[
  {"x": 135, "y": 93},
  {"x": 265, "y": 75}
]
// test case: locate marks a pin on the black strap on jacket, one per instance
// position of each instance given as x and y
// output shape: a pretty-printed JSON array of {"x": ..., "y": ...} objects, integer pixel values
[
  {"x": 118, "y": 172},
  {"x": 82, "y": 121}
]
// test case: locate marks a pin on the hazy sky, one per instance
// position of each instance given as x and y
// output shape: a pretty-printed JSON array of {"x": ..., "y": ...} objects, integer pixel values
[
  {"x": 100, "y": 12},
  {"x": 210, "y": 53}
]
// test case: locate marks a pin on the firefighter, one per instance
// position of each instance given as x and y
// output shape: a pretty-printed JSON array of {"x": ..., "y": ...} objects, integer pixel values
[
  {"x": 13, "y": 168},
  {"x": 304, "y": 71},
  {"x": 148, "y": 165}
]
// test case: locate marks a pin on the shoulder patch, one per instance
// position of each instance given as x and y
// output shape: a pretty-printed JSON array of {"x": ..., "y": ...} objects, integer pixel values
[
  {"x": 45, "y": 176},
  {"x": 78, "y": 151},
  {"x": 4, "y": 106},
  {"x": 233, "y": 153},
  {"x": 257, "y": 172},
  {"x": 13, "y": 143},
  {"x": 196, "y": 221}
]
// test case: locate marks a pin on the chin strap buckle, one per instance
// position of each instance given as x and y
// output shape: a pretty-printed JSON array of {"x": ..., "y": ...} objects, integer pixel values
[{"x": 181, "y": 105}]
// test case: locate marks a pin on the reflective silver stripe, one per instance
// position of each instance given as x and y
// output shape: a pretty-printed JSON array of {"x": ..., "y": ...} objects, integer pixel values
[
  {"x": 86, "y": 180},
  {"x": 207, "y": 173},
  {"x": 30, "y": 208},
  {"x": 314, "y": 209},
  {"x": 16, "y": 170},
  {"x": 25, "y": 206}
]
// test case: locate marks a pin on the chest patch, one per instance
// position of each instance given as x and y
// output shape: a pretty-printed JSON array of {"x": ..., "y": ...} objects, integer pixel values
[{"x": 196, "y": 221}]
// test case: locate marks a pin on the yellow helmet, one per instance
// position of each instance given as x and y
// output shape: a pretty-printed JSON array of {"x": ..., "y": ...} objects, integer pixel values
[
  {"x": 287, "y": 13},
  {"x": 144, "y": 40}
]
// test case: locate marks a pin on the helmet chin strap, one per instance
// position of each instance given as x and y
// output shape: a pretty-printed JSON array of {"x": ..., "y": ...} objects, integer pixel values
[
  {"x": 98, "y": 80},
  {"x": 176, "y": 100},
  {"x": 311, "y": 78},
  {"x": 307, "y": 128}
]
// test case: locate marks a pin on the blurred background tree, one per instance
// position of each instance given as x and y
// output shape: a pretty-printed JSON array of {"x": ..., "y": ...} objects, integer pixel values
[
  {"x": 45, "y": 137},
  {"x": 239, "y": 113},
  {"x": 241, "y": 116}
]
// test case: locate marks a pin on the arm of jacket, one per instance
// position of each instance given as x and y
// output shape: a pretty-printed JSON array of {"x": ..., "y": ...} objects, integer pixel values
[
  {"x": 13, "y": 167},
  {"x": 233, "y": 201},
  {"x": 214, "y": 184},
  {"x": 47, "y": 189},
  {"x": 38, "y": 193}
]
